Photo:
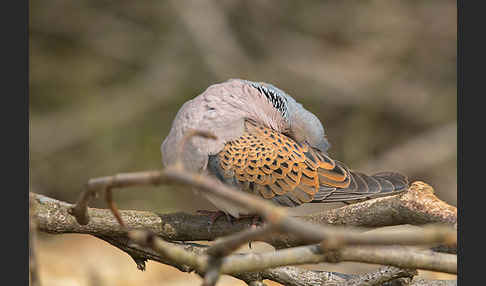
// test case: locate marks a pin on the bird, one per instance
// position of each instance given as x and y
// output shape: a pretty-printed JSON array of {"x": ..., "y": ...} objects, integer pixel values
[{"x": 268, "y": 145}]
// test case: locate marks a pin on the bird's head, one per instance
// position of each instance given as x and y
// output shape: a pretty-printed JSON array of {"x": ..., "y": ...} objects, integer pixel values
[{"x": 303, "y": 126}]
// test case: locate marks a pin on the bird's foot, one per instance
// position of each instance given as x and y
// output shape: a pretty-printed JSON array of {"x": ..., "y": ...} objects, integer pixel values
[
  {"x": 213, "y": 216},
  {"x": 256, "y": 220}
]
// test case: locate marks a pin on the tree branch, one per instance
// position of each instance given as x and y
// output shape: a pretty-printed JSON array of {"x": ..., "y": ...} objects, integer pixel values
[
  {"x": 53, "y": 217},
  {"x": 226, "y": 245},
  {"x": 405, "y": 257},
  {"x": 277, "y": 216},
  {"x": 397, "y": 256},
  {"x": 418, "y": 199},
  {"x": 417, "y": 206},
  {"x": 379, "y": 277}
]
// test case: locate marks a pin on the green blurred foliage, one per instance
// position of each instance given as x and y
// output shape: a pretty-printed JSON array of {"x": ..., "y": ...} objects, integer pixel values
[{"x": 107, "y": 78}]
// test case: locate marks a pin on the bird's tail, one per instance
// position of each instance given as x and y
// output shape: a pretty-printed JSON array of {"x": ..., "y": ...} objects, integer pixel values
[{"x": 364, "y": 187}]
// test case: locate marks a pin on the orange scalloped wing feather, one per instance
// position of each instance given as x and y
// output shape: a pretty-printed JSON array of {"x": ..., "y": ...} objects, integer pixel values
[{"x": 271, "y": 164}]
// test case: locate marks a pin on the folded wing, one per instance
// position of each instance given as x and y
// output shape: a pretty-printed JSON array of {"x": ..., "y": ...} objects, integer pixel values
[{"x": 274, "y": 166}]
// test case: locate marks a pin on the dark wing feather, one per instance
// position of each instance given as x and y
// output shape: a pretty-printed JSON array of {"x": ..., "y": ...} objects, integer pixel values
[{"x": 364, "y": 187}]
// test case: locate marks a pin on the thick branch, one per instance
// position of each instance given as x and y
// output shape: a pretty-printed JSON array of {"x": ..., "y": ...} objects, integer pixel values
[
  {"x": 379, "y": 277},
  {"x": 289, "y": 275},
  {"x": 417, "y": 206}
]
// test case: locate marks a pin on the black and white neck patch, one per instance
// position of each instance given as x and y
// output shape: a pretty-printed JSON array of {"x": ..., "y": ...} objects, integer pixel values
[{"x": 274, "y": 95}]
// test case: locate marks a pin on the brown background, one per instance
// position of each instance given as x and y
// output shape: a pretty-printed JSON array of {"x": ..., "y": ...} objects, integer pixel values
[{"x": 107, "y": 77}]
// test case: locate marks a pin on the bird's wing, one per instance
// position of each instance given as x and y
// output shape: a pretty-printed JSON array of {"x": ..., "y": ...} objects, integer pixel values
[
  {"x": 276, "y": 167},
  {"x": 363, "y": 187}
]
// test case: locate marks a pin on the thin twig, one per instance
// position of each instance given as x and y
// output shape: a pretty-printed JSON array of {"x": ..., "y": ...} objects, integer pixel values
[
  {"x": 111, "y": 204},
  {"x": 168, "y": 250},
  {"x": 405, "y": 257},
  {"x": 402, "y": 256},
  {"x": 213, "y": 271},
  {"x": 97, "y": 185},
  {"x": 226, "y": 245}
]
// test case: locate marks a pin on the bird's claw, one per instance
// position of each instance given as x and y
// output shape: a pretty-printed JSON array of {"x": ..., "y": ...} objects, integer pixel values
[{"x": 213, "y": 216}]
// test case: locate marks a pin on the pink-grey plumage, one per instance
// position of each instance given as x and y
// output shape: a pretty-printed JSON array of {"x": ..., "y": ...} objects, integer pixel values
[{"x": 245, "y": 116}]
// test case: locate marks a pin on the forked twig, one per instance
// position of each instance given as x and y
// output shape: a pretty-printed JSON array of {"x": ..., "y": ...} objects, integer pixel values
[
  {"x": 106, "y": 184},
  {"x": 226, "y": 245}
]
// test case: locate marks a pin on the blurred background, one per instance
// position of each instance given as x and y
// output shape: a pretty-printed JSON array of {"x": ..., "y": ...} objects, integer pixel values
[{"x": 107, "y": 78}]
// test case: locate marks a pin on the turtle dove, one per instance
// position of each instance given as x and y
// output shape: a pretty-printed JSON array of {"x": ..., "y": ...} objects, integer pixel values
[{"x": 269, "y": 145}]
